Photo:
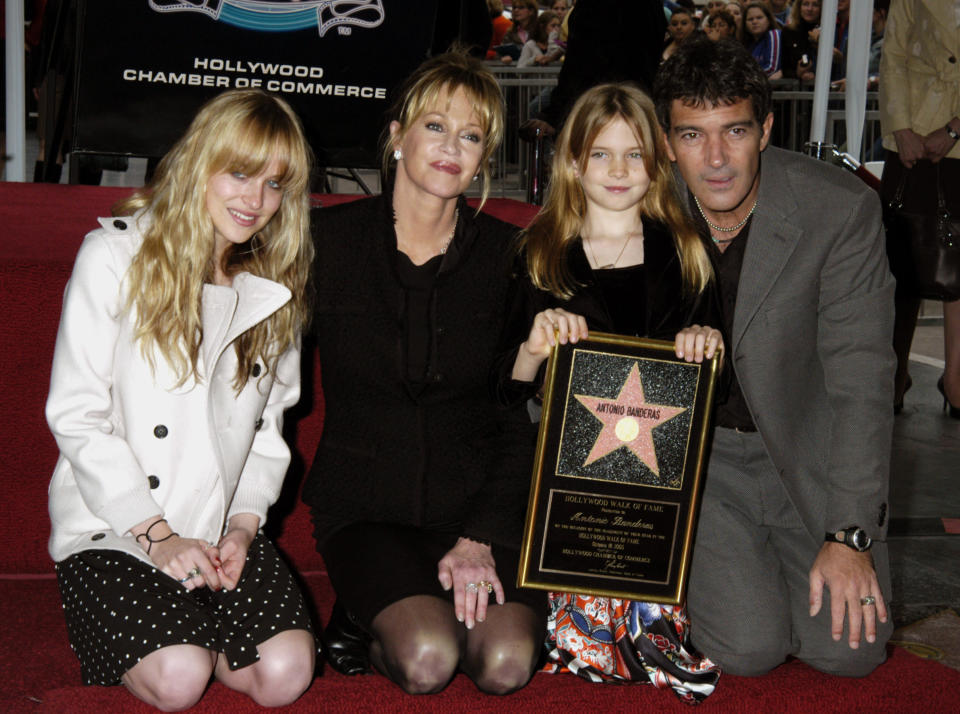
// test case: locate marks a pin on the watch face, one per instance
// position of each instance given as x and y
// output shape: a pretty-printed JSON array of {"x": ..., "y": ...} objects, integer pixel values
[{"x": 859, "y": 539}]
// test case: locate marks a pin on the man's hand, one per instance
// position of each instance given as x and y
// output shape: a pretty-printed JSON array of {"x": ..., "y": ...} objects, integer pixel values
[{"x": 850, "y": 577}]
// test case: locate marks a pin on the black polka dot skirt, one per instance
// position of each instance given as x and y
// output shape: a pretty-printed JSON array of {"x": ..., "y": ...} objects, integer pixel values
[{"x": 119, "y": 610}]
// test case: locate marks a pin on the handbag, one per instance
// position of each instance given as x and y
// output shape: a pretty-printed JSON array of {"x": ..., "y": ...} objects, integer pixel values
[{"x": 923, "y": 247}]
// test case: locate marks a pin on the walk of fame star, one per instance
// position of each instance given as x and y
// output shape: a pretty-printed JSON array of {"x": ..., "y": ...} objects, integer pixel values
[{"x": 628, "y": 420}]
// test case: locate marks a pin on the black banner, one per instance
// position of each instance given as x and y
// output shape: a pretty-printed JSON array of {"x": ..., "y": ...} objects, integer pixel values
[{"x": 145, "y": 66}]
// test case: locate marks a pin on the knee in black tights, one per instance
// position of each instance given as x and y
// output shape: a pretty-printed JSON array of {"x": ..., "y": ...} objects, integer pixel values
[
  {"x": 422, "y": 663},
  {"x": 417, "y": 644},
  {"x": 502, "y": 669},
  {"x": 503, "y": 651}
]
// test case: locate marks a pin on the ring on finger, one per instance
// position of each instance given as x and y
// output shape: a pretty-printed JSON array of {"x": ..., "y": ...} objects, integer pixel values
[
  {"x": 486, "y": 586},
  {"x": 471, "y": 587},
  {"x": 191, "y": 574},
  {"x": 868, "y": 600}
]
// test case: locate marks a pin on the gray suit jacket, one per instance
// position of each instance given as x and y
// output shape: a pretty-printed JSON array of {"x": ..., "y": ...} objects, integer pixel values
[{"x": 812, "y": 338}]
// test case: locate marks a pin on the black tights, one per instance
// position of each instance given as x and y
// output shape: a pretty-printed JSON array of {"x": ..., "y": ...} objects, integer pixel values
[{"x": 419, "y": 644}]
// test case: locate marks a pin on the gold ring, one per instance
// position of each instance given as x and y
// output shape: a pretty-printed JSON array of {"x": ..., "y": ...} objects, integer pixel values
[
  {"x": 868, "y": 600},
  {"x": 486, "y": 586}
]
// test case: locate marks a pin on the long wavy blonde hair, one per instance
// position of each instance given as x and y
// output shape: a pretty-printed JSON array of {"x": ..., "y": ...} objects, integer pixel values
[
  {"x": 243, "y": 131},
  {"x": 436, "y": 80},
  {"x": 548, "y": 238}
]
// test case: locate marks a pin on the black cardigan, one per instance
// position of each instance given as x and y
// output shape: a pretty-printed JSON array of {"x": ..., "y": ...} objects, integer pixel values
[
  {"x": 668, "y": 308},
  {"x": 445, "y": 456}
]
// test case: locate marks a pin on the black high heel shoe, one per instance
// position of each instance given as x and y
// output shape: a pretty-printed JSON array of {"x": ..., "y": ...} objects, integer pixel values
[
  {"x": 346, "y": 645},
  {"x": 898, "y": 405},
  {"x": 953, "y": 411}
]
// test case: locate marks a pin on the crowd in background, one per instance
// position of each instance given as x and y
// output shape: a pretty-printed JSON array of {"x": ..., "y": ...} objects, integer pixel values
[{"x": 781, "y": 34}]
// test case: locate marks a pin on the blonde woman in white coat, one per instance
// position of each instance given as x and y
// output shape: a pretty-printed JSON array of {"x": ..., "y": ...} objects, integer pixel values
[{"x": 177, "y": 353}]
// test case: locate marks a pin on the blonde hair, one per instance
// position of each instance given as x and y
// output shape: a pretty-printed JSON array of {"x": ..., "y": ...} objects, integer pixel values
[
  {"x": 243, "y": 131},
  {"x": 795, "y": 19},
  {"x": 548, "y": 238},
  {"x": 437, "y": 80}
]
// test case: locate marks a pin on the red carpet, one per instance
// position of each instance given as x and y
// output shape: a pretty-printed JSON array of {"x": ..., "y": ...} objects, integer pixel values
[
  {"x": 40, "y": 229},
  {"x": 39, "y": 674}
]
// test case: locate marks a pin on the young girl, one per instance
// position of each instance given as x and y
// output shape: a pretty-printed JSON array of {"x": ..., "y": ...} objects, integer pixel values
[
  {"x": 612, "y": 250},
  {"x": 177, "y": 353},
  {"x": 762, "y": 38}
]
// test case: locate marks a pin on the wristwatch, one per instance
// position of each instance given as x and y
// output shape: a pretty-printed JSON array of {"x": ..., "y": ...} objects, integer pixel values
[
  {"x": 953, "y": 134},
  {"x": 853, "y": 536}
]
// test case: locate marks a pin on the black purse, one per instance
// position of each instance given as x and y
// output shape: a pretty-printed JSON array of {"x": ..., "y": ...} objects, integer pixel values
[{"x": 923, "y": 248}]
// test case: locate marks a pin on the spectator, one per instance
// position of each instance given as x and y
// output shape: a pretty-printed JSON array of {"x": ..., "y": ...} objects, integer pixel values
[
  {"x": 780, "y": 10},
  {"x": 880, "y": 10},
  {"x": 682, "y": 25},
  {"x": 920, "y": 119},
  {"x": 713, "y": 7},
  {"x": 524, "y": 13},
  {"x": 561, "y": 7},
  {"x": 839, "y": 69},
  {"x": 800, "y": 38},
  {"x": 735, "y": 8},
  {"x": 542, "y": 48},
  {"x": 721, "y": 26},
  {"x": 762, "y": 38},
  {"x": 501, "y": 26}
]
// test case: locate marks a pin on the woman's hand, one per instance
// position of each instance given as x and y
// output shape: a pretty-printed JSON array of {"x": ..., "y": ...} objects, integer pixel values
[
  {"x": 910, "y": 146},
  {"x": 234, "y": 545},
  {"x": 469, "y": 569},
  {"x": 188, "y": 560},
  {"x": 549, "y": 327},
  {"x": 938, "y": 144},
  {"x": 695, "y": 343},
  {"x": 814, "y": 35}
]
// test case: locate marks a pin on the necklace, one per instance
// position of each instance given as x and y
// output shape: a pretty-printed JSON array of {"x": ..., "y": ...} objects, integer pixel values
[
  {"x": 614, "y": 263},
  {"x": 456, "y": 219},
  {"x": 721, "y": 229}
]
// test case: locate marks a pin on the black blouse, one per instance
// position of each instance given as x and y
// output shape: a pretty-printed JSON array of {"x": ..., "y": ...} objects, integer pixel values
[{"x": 661, "y": 306}]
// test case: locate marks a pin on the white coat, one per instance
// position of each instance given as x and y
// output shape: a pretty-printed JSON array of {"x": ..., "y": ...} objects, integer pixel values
[{"x": 132, "y": 445}]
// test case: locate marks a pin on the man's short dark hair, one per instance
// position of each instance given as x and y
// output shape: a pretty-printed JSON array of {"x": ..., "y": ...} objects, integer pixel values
[{"x": 706, "y": 73}]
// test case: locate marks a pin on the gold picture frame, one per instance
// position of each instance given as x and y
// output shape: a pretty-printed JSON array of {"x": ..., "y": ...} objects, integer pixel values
[{"x": 618, "y": 469}]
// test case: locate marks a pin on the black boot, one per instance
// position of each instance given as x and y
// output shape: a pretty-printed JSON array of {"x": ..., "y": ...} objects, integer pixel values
[{"x": 346, "y": 645}]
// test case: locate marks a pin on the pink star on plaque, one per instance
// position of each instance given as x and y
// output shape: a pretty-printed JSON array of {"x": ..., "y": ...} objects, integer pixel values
[{"x": 628, "y": 420}]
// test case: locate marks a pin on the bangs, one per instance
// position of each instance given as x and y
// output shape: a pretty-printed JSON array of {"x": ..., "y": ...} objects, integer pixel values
[
  {"x": 442, "y": 95},
  {"x": 252, "y": 146}
]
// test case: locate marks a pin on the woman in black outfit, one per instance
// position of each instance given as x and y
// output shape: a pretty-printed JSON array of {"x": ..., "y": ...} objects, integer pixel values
[
  {"x": 419, "y": 484},
  {"x": 799, "y": 39}
]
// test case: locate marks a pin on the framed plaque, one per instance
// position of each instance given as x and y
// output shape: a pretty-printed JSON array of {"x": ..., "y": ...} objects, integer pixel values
[{"x": 617, "y": 476}]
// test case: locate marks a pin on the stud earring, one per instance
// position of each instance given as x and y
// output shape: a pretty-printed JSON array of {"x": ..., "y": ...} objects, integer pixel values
[
  {"x": 476, "y": 176},
  {"x": 397, "y": 154}
]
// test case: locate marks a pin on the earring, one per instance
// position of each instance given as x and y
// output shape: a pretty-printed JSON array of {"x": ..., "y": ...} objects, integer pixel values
[
  {"x": 476, "y": 176},
  {"x": 397, "y": 154}
]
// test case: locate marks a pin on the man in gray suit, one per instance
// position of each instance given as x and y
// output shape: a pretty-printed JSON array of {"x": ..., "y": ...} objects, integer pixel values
[{"x": 789, "y": 556}]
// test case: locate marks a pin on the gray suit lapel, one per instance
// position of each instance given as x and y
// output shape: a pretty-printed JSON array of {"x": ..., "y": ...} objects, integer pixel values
[{"x": 773, "y": 238}]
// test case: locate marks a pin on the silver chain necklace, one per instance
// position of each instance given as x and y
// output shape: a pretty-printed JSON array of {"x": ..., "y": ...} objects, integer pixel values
[{"x": 720, "y": 229}]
